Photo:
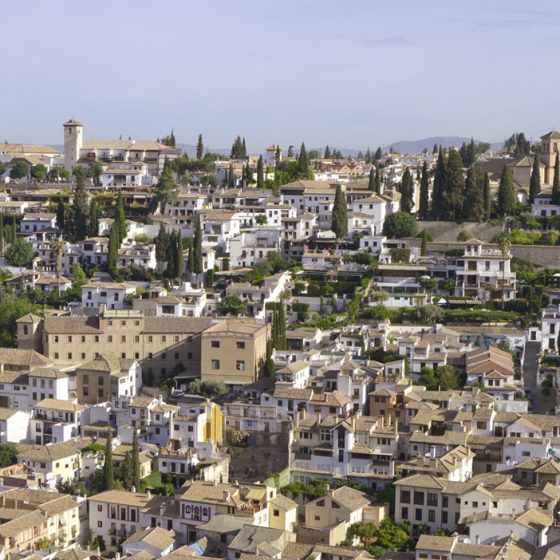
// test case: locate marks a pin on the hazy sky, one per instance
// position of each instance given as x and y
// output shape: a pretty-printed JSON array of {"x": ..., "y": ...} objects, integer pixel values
[{"x": 350, "y": 73}]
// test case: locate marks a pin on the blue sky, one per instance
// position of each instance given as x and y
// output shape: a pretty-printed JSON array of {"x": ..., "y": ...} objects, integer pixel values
[{"x": 350, "y": 73}]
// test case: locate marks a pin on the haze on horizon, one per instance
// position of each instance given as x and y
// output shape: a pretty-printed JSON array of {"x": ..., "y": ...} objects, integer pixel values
[{"x": 349, "y": 73}]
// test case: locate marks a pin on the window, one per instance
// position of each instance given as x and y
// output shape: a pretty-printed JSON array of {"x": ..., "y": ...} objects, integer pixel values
[
  {"x": 405, "y": 496},
  {"x": 432, "y": 499},
  {"x": 163, "y": 338},
  {"x": 240, "y": 345},
  {"x": 443, "y": 517},
  {"x": 69, "y": 355},
  {"x": 276, "y": 513},
  {"x": 123, "y": 338},
  {"x": 100, "y": 524},
  {"x": 418, "y": 514},
  {"x": 404, "y": 513},
  {"x": 240, "y": 365},
  {"x": 215, "y": 344},
  {"x": 215, "y": 364},
  {"x": 432, "y": 515},
  {"x": 99, "y": 507},
  {"x": 418, "y": 498}
]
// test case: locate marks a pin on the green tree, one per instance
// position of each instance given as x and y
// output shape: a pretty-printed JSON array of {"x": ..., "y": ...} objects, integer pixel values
[
  {"x": 473, "y": 207},
  {"x": 135, "y": 461},
  {"x": 198, "y": 265},
  {"x": 556, "y": 181},
  {"x": 371, "y": 180},
  {"x": 399, "y": 225},
  {"x": 260, "y": 173},
  {"x": 166, "y": 188},
  {"x": 60, "y": 214},
  {"x": 428, "y": 378},
  {"x": 96, "y": 169},
  {"x": 232, "y": 305},
  {"x": 327, "y": 152},
  {"x": 439, "y": 188},
  {"x": 407, "y": 191},
  {"x": 424, "y": 244},
  {"x": 121, "y": 218},
  {"x": 506, "y": 193},
  {"x": 424, "y": 203},
  {"x": 57, "y": 250},
  {"x": 93, "y": 221},
  {"x": 2, "y": 234},
  {"x": 378, "y": 154},
  {"x": 199, "y": 148},
  {"x": 365, "y": 531},
  {"x": 339, "y": 223},
  {"x": 39, "y": 172},
  {"x": 303, "y": 162},
  {"x": 20, "y": 253},
  {"x": 162, "y": 243},
  {"x": 454, "y": 186},
  {"x": 269, "y": 369},
  {"x": 113, "y": 250},
  {"x": 8, "y": 454},
  {"x": 378, "y": 180},
  {"x": 448, "y": 378},
  {"x": 80, "y": 207},
  {"x": 487, "y": 195},
  {"x": 108, "y": 473},
  {"x": 20, "y": 170},
  {"x": 126, "y": 471},
  {"x": 535, "y": 183}
]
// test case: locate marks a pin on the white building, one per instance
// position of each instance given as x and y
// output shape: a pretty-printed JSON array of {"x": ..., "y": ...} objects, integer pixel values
[
  {"x": 37, "y": 221},
  {"x": 110, "y": 294}
]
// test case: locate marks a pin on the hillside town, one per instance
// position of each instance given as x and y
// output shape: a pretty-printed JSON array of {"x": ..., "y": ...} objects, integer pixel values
[{"x": 290, "y": 354}]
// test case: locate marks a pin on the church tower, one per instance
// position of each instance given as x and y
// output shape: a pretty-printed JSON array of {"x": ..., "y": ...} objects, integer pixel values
[
  {"x": 550, "y": 144},
  {"x": 73, "y": 140}
]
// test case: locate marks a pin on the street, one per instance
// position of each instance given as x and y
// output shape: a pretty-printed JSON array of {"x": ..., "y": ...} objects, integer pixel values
[{"x": 541, "y": 404}]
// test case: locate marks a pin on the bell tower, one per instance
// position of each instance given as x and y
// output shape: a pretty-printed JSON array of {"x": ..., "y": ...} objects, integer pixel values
[
  {"x": 73, "y": 140},
  {"x": 550, "y": 144}
]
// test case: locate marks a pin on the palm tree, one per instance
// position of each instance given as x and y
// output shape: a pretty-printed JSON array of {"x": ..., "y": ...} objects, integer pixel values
[
  {"x": 505, "y": 246},
  {"x": 57, "y": 250}
]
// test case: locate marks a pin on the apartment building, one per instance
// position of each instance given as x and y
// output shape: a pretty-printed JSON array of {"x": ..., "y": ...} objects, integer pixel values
[
  {"x": 55, "y": 421},
  {"x": 110, "y": 294},
  {"x": 234, "y": 351}
]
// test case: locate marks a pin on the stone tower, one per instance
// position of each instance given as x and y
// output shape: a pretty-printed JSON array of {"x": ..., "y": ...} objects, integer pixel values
[
  {"x": 550, "y": 146},
  {"x": 73, "y": 140}
]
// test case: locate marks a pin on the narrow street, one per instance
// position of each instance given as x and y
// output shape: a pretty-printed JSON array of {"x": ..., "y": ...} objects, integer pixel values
[{"x": 541, "y": 404}]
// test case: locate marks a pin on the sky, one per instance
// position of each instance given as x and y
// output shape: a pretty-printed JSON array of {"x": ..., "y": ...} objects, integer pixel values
[{"x": 348, "y": 73}]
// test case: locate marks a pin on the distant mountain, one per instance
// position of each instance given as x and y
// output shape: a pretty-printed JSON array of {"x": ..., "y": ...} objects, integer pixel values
[
  {"x": 190, "y": 150},
  {"x": 416, "y": 146}
]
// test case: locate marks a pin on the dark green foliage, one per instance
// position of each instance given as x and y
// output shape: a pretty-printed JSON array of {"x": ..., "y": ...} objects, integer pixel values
[
  {"x": 303, "y": 162},
  {"x": 378, "y": 154},
  {"x": 162, "y": 243},
  {"x": 487, "y": 196},
  {"x": 113, "y": 249},
  {"x": 438, "y": 189},
  {"x": 424, "y": 244},
  {"x": 232, "y": 305},
  {"x": 11, "y": 309},
  {"x": 93, "y": 222},
  {"x": 166, "y": 188},
  {"x": 126, "y": 471},
  {"x": 399, "y": 225},
  {"x": 506, "y": 193},
  {"x": 269, "y": 370},
  {"x": 197, "y": 266},
  {"x": 121, "y": 218},
  {"x": 327, "y": 152},
  {"x": 108, "y": 471},
  {"x": 80, "y": 208},
  {"x": 473, "y": 207},
  {"x": 517, "y": 144},
  {"x": 238, "y": 149},
  {"x": 260, "y": 173},
  {"x": 371, "y": 180},
  {"x": 8, "y": 455},
  {"x": 378, "y": 180},
  {"x": 535, "y": 183},
  {"x": 199, "y": 147},
  {"x": 39, "y": 172},
  {"x": 454, "y": 185},
  {"x": 340, "y": 214},
  {"x": 20, "y": 253},
  {"x": 407, "y": 191},
  {"x": 424, "y": 203},
  {"x": 209, "y": 389},
  {"x": 556, "y": 181},
  {"x": 19, "y": 171}
]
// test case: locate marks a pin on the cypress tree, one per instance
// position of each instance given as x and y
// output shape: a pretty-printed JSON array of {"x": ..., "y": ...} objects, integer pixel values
[
  {"x": 487, "y": 195},
  {"x": 281, "y": 327},
  {"x": 135, "y": 462},
  {"x": 108, "y": 474},
  {"x": 180, "y": 259},
  {"x": 81, "y": 210},
  {"x": 506, "y": 193},
  {"x": 454, "y": 187},
  {"x": 407, "y": 191},
  {"x": 556, "y": 182},
  {"x": 162, "y": 243},
  {"x": 368, "y": 158},
  {"x": 121, "y": 218},
  {"x": 473, "y": 208},
  {"x": 339, "y": 214},
  {"x": 439, "y": 188},
  {"x": 303, "y": 163},
  {"x": 371, "y": 180},
  {"x": 260, "y": 173},
  {"x": 327, "y": 152},
  {"x": 424, "y": 203},
  {"x": 166, "y": 188},
  {"x": 378, "y": 154},
  {"x": 231, "y": 177},
  {"x": 190, "y": 261},
  {"x": 197, "y": 266},
  {"x": 60, "y": 214},
  {"x": 126, "y": 471},
  {"x": 243, "y": 149},
  {"x": 377, "y": 185},
  {"x": 199, "y": 148},
  {"x": 269, "y": 370},
  {"x": 1, "y": 234},
  {"x": 113, "y": 250},
  {"x": 171, "y": 258},
  {"x": 535, "y": 184},
  {"x": 93, "y": 223},
  {"x": 13, "y": 238}
]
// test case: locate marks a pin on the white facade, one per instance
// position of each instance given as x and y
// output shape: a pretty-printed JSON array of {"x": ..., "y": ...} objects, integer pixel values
[{"x": 110, "y": 294}]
